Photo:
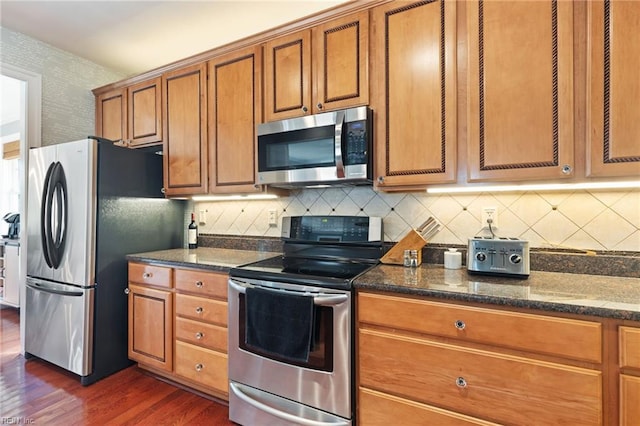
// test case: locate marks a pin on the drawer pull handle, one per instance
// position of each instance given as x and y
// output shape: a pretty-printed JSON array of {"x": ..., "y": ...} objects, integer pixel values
[
  {"x": 461, "y": 382},
  {"x": 199, "y": 284},
  {"x": 147, "y": 275},
  {"x": 199, "y": 367},
  {"x": 199, "y": 335},
  {"x": 199, "y": 310},
  {"x": 460, "y": 325}
]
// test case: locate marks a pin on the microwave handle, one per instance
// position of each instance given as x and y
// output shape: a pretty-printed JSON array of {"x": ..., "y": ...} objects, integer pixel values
[{"x": 338, "y": 144}]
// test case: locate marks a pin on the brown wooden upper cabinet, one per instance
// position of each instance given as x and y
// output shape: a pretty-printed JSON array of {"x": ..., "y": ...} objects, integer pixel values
[
  {"x": 185, "y": 130},
  {"x": 520, "y": 90},
  {"x": 413, "y": 77},
  {"x": 131, "y": 115},
  {"x": 318, "y": 69},
  {"x": 234, "y": 110},
  {"x": 111, "y": 115},
  {"x": 145, "y": 113},
  {"x": 613, "y": 136}
]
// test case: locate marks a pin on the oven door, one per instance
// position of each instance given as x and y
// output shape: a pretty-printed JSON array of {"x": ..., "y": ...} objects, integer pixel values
[{"x": 265, "y": 387}]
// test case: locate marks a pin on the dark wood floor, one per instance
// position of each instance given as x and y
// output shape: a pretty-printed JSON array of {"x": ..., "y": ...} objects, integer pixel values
[{"x": 35, "y": 392}]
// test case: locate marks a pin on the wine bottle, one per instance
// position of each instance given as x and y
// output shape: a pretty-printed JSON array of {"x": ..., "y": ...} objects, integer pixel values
[{"x": 192, "y": 233}]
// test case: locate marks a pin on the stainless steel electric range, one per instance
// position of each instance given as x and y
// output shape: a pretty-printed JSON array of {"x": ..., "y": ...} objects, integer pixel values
[{"x": 291, "y": 323}]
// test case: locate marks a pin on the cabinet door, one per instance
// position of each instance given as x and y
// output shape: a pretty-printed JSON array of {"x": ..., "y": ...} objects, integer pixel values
[
  {"x": 340, "y": 63},
  {"x": 185, "y": 130},
  {"x": 111, "y": 115},
  {"x": 234, "y": 111},
  {"x": 613, "y": 137},
  {"x": 151, "y": 327},
  {"x": 413, "y": 90},
  {"x": 520, "y": 116},
  {"x": 145, "y": 113},
  {"x": 288, "y": 76},
  {"x": 629, "y": 397}
]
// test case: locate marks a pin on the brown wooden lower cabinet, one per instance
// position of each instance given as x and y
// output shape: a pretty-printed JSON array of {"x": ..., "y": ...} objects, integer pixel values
[
  {"x": 629, "y": 400},
  {"x": 178, "y": 325},
  {"x": 409, "y": 370},
  {"x": 629, "y": 344},
  {"x": 378, "y": 408}
]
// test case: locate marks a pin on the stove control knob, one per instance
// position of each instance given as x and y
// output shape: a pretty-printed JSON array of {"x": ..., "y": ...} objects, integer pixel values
[
  {"x": 515, "y": 259},
  {"x": 481, "y": 257}
]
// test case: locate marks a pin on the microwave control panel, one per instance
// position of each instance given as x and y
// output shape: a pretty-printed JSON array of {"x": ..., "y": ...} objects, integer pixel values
[{"x": 357, "y": 143}]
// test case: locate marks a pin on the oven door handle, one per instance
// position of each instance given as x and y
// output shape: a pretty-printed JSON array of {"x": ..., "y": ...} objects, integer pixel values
[
  {"x": 237, "y": 391},
  {"x": 320, "y": 300}
]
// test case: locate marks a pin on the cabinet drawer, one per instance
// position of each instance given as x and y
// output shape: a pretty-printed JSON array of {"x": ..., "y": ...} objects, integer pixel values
[
  {"x": 629, "y": 397},
  {"x": 151, "y": 275},
  {"x": 376, "y": 408},
  {"x": 202, "y": 283},
  {"x": 199, "y": 308},
  {"x": 203, "y": 334},
  {"x": 491, "y": 386},
  {"x": 203, "y": 366},
  {"x": 574, "y": 339},
  {"x": 629, "y": 347}
]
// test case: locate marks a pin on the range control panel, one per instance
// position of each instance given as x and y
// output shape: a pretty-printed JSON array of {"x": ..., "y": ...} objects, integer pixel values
[{"x": 498, "y": 256}]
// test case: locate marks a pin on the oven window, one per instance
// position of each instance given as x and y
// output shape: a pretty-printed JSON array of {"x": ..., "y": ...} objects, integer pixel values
[{"x": 321, "y": 350}]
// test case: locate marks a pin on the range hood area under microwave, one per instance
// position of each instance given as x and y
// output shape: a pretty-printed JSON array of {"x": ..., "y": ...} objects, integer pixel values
[{"x": 331, "y": 148}]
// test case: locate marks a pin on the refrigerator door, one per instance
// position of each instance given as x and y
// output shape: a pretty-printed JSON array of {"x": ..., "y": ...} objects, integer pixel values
[
  {"x": 59, "y": 325},
  {"x": 60, "y": 225}
]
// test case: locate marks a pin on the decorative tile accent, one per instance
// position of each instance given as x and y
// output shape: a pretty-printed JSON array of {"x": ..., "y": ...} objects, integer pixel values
[{"x": 579, "y": 220}]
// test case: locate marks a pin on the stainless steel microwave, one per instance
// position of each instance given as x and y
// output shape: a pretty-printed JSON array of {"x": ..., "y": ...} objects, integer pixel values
[{"x": 330, "y": 148}]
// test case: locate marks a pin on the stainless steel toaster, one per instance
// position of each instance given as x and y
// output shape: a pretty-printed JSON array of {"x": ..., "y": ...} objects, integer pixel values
[{"x": 498, "y": 256}]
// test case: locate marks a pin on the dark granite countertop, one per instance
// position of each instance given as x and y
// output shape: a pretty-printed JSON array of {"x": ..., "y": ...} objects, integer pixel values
[
  {"x": 216, "y": 259},
  {"x": 597, "y": 295}
]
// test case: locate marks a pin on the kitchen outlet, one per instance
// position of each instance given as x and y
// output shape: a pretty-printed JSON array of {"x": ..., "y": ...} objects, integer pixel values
[
  {"x": 202, "y": 217},
  {"x": 273, "y": 218},
  {"x": 489, "y": 213}
]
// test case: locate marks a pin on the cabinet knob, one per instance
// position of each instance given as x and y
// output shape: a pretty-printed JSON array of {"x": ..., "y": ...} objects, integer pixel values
[
  {"x": 566, "y": 169},
  {"x": 199, "y": 310},
  {"x": 380, "y": 179},
  {"x": 147, "y": 275},
  {"x": 162, "y": 190},
  {"x": 199, "y": 335},
  {"x": 305, "y": 109},
  {"x": 319, "y": 105},
  {"x": 126, "y": 290},
  {"x": 459, "y": 324},
  {"x": 199, "y": 367},
  {"x": 461, "y": 382},
  {"x": 199, "y": 284}
]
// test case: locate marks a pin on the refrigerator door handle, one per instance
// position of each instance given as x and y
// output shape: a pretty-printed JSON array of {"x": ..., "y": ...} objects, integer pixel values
[
  {"x": 45, "y": 217},
  {"x": 47, "y": 289},
  {"x": 54, "y": 215}
]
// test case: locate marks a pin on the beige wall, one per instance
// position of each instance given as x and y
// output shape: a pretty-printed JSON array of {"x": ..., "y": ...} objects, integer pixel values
[{"x": 593, "y": 220}]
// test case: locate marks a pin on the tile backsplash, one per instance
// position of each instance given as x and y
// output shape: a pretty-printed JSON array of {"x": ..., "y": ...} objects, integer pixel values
[{"x": 582, "y": 220}]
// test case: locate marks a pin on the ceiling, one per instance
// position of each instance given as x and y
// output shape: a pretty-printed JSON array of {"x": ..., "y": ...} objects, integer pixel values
[{"x": 131, "y": 37}]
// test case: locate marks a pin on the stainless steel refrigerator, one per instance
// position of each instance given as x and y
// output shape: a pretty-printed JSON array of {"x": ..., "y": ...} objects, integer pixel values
[{"x": 89, "y": 204}]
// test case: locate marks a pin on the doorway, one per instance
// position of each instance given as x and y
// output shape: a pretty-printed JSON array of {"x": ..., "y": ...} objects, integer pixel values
[{"x": 28, "y": 118}]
